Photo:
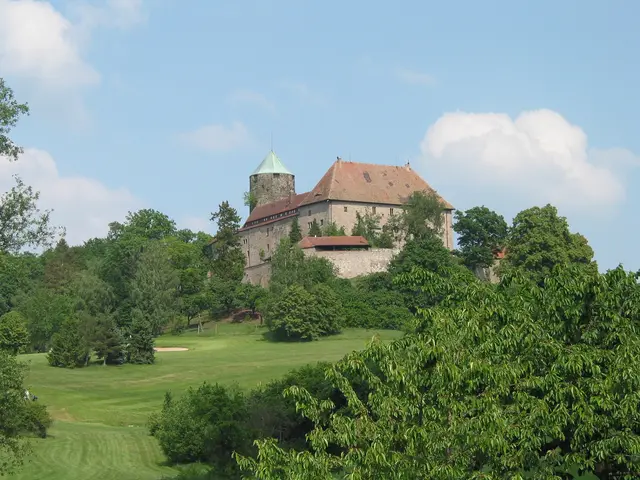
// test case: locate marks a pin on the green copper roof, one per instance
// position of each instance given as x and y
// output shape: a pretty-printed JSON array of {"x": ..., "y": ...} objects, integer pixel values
[{"x": 271, "y": 164}]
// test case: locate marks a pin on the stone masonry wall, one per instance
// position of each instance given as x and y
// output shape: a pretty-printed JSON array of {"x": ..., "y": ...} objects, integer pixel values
[
  {"x": 354, "y": 263},
  {"x": 265, "y": 238},
  {"x": 269, "y": 187},
  {"x": 344, "y": 214}
]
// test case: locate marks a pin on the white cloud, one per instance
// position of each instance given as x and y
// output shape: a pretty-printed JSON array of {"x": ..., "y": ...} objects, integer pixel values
[
  {"x": 539, "y": 157},
  {"x": 84, "y": 206},
  {"x": 40, "y": 44},
  {"x": 217, "y": 138},
  {"x": 415, "y": 78},
  {"x": 253, "y": 98}
]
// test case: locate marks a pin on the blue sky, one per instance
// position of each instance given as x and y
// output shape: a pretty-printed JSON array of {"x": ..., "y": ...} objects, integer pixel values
[{"x": 171, "y": 105}]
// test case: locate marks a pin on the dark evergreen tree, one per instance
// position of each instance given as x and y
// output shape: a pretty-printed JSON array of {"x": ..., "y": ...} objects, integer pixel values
[
  {"x": 68, "y": 347},
  {"x": 295, "y": 235},
  {"x": 315, "y": 230},
  {"x": 108, "y": 341},
  {"x": 140, "y": 346},
  {"x": 227, "y": 257}
]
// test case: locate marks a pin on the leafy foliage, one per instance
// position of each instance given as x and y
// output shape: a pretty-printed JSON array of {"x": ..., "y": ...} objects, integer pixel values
[
  {"x": 481, "y": 233},
  {"x": 521, "y": 380},
  {"x": 539, "y": 240},
  {"x": 14, "y": 336},
  {"x": 204, "y": 425}
]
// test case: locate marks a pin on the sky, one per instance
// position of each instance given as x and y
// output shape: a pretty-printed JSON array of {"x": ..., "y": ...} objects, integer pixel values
[{"x": 170, "y": 105}]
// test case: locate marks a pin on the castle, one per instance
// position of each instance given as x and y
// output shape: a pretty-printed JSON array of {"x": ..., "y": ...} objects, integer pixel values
[{"x": 347, "y": 188}]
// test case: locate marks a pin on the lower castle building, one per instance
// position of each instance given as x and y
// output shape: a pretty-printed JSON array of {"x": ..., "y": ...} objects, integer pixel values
[{"x": 347, "y": 188}]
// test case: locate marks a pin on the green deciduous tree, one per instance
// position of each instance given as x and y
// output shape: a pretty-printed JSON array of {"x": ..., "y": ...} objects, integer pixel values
[
  {"x": 518, "y": 381},
  {"x": 539, "y": 240},
  {"x": 292, "y": 315},
  {"x": 481, "y": 234},
  {"x": 14, "y": 336}
]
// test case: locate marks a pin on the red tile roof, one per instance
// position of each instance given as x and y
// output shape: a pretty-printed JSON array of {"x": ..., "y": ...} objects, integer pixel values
[
  {"x": 277, "y": 207},
  {"x": 368, "y": 183},
  {"x": 343, "y": 241}
]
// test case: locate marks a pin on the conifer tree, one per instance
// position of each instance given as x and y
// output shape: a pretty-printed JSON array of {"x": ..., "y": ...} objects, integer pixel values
[
  {"x": 228, "y": 258},
  {"x": 295, "y": 235},
  {"x": 68, "y": 347},
  {"x": 314, "y": 230},
  {"x": 140, "y": 346}
]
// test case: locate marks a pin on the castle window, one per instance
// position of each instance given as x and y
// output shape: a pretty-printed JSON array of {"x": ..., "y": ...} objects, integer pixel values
[
  {"x": 268, "y": 247},
  {"x": 373, "y": 209},
  {"x": 267, "y": 231},
  {"x": 321, "y": 222},
  {"x": 346, "y": 208},
  {"x": 309, "y": 212},
  {"x": 309, "y": 224},
  {"x": 391, "y": 211}
]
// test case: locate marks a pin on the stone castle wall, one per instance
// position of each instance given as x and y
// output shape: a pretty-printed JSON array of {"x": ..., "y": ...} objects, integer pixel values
[
  {"x": 349, "y": 264},
  {"x": 354, "y": 263},
  {"x": 270, "y": 187},
  {"x": 265, "y": 238}
]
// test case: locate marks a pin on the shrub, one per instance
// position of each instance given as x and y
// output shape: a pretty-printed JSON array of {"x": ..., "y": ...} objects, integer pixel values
[
  {"x": 205, "y": 425},
  {"x": 14, "y": 336},
  {"x": 292, "y": 315}
]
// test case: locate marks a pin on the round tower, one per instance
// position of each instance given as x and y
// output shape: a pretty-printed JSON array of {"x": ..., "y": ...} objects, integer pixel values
[{"x": 271, "y": 181}]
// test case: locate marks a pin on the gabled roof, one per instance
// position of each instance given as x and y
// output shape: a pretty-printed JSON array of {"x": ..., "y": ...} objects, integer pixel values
[
  {"x": 271, "y": 164},
  {"x": 342, "y": 241},
  {"x": 275, "y": 208},
  {"x": 368, "y": 183}
]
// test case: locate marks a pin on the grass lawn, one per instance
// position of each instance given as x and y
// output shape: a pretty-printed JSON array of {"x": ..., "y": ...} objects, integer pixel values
[{"x": 100, "y": 412}]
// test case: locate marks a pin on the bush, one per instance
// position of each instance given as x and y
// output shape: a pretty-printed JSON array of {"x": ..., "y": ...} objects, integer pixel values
[
  {"x": 297, "y": 314},
  {"x": 14, "y": 336},
  {"x": 35, "y": 419},
  {"x": 292, "y": 315},
  {"x": 205, "y": 425}
]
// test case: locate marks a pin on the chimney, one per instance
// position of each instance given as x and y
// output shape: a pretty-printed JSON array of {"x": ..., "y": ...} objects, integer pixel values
[
  {"x": 408, "y": 165},
  {"x": 339, "y": 159}
]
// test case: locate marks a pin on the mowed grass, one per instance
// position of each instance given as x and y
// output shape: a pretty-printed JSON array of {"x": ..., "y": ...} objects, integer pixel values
[{"x": 100, "y": 413}]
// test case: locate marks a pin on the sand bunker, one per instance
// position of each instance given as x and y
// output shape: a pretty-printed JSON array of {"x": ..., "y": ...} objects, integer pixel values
[{"x": 170, "y": 349}]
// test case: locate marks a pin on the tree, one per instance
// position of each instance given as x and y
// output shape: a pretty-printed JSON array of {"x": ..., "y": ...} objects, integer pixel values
[
  {"x": 290, "y": 266},
  {"x": 292, "y": 316},
  {"x": 329, "y": 312},
  {"x": 69, "y": 348},
  {"x": 140, "y": 346},
  {"x": 14, "y": 336},
  {"x": 250, "y": 201},
  {"x": 481, "y": 234},
  {"x": 314, "y": 229},
  {"x": 154, "y": 287},
  {"x": 295, "y": 234},
  {"x": 108, "y": 341},
  {"x": 539, "y": 240},
  {"x": 514, "y": 382},
  {"x": 332, "y": 230},
  {"x": 10, "y": 113},
  {"x": 423, "y": 214},
  {"x": 228, "y": 258},
  {"x": 18, "y": 417}
]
